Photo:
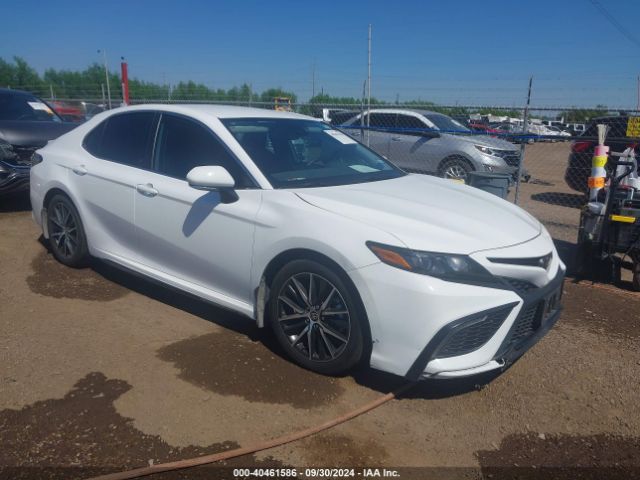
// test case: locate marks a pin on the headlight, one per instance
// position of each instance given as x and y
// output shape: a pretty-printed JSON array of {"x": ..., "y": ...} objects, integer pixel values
[
  {"x": 446, "y": 266},
  {"x": 485, "y": 150}
]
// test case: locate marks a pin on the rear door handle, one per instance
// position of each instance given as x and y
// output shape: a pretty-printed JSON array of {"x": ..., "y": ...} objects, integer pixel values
[
  {"x": 146, "y": 189},
  {"x": 79, "y": 170},
  {"x": 396, "y": 139}
]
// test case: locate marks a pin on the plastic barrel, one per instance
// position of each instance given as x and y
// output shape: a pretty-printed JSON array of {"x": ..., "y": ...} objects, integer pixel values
[{"x": 496, "y": 183}]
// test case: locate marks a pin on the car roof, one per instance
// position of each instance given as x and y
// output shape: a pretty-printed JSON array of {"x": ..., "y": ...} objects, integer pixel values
[
  {"x": 405, "y": 110},
  {"x": 16, "y": 92},
  {"x": 218, "y": 111}
]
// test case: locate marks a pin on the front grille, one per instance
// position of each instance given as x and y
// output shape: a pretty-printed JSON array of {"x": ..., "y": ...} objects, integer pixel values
[
  {"x": 473, "y": 334},
  {"x": 512, "y": 160},
  {"x": 520, "y": 286}
]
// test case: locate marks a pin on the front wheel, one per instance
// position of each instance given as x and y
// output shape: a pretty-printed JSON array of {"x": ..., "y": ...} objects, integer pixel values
[
  {"x": 455, "y": 168},
  {"x": 67, "y": 239},
  {"x": 316, "y": 317}
]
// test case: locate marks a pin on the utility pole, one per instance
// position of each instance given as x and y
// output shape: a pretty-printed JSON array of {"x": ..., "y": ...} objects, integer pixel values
[
  {"x": 638, "y": 104},
  {"x": 525, "y": 121},
  {"x": 369, "y": 85},
  {"x": 51, "y": 92},
  {"x": 106, "y": 75}
]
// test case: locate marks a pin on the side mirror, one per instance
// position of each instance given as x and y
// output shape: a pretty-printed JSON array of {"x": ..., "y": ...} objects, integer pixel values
[{"x": 211, "y": 177}]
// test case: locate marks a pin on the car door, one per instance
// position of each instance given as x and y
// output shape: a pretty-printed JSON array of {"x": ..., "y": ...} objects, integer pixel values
[
  {"x": 377, "y": 136},
  {"x": 410, "y": 149},
  {"x": 201, "y": 240},
  {"x": 118, "y": 154}
]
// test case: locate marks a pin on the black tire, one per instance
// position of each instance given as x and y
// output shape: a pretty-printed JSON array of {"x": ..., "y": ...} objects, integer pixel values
[
  {"x": 290, "y": 333},
  {"x": 455, "y": 164},
  {"x": 67, "y": 239}
]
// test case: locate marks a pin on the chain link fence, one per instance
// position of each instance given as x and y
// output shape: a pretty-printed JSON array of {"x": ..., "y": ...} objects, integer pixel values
[{"x": 548, "y": 158}]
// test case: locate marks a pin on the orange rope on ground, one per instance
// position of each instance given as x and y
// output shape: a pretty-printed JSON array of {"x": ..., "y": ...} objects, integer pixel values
[{"x": 238, "y": 452}]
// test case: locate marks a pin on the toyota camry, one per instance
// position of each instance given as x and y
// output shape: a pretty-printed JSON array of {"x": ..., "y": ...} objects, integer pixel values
[{"x": 283, "y": 219}]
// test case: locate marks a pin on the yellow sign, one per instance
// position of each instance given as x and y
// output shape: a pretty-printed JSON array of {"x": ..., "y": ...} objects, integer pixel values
[
  {"x": 599, "y": 161},
  {"x": 623, "y": 218},
  {"x": 633, "y": 127}
]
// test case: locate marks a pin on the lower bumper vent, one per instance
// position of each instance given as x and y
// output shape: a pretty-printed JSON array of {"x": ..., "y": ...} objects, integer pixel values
[{"x": 472, "y": 334}]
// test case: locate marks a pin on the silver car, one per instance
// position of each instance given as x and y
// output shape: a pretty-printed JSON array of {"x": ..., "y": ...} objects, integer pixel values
[{"x": 430, "y": 142}]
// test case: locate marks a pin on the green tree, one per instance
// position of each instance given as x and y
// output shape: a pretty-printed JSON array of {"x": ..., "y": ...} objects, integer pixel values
[{"x": 582, "y": 115}]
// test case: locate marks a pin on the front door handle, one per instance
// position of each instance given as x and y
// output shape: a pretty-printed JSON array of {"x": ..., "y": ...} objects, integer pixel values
[
  {"x": 79, "y": 170},
  {"x": 147, "y": 189},
  {"x": 396, "y": 139}
]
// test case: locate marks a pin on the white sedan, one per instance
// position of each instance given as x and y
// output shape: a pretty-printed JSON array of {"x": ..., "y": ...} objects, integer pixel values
[{"x": 283, "y": 219}]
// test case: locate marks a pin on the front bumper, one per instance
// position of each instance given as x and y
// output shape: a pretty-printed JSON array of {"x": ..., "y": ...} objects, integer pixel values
[
  {"x": 532, "y": 322},
  {"x": 13, "y": 178},
  {"x": 410, "y": 315}
]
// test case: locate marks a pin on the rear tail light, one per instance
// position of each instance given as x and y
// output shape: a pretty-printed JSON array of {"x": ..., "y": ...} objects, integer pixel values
[{"x": 580, "y": 147}]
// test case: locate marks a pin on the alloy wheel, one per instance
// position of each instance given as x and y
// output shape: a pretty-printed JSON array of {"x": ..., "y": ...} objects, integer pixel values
[
  {"x": 455, "y": 171},
  {"x": 64, "y": 230},
  {"x": 314, "y": 316}
]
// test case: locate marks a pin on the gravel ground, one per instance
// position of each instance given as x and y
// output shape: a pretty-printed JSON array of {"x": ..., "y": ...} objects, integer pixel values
[{"x": 101, "y": 371}]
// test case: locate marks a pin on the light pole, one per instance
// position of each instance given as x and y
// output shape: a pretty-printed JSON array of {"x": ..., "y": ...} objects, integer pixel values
[{"x": 106, "y": 74}]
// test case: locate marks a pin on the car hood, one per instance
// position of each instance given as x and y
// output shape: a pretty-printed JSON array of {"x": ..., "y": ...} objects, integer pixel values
[
  {"x": 484, "y": 140},
  {"x": 428, "y": 213},
  {"x": 32, "y": 134}
]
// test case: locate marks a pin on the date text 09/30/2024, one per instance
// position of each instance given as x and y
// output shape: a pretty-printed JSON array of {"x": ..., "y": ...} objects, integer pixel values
[{"x": 315, "y": 473}]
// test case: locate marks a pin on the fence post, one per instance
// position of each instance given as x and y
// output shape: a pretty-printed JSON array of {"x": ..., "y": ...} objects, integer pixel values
[{"x": 525, "y": 120}]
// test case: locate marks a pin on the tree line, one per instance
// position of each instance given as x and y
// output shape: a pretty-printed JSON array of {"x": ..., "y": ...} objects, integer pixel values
[{"x": 88, "y": 84}]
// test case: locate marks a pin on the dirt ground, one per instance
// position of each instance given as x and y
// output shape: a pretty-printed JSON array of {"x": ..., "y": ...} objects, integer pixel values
[{"x": 101, "y": 371}]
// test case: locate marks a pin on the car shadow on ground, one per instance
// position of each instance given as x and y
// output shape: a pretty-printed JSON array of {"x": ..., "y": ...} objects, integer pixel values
[
  {"x": 16, "y": 202},
  {"x": 364, "y": 375},
  {"x": 563, "y": 199}
]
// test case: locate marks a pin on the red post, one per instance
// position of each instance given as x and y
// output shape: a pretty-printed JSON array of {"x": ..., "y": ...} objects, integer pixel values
[{"x": 125, "y": 83}]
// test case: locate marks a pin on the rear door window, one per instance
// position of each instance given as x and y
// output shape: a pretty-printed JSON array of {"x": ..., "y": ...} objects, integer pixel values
[
  {"x": 382, "y": 120},
  {"x": 124, "y": 138}
]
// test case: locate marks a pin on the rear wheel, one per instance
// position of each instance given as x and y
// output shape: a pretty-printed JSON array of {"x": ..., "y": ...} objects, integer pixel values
[
  {"x": 66, "y": 235},
  {"x": 455, "y": 168},
  {"x": 316, "y": 317}
]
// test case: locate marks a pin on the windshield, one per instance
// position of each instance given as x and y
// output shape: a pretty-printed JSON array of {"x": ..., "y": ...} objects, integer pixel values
[
  {"x": 447, "y": 124},
  {"x": 24, "y": 107},
  {"x": 305, "y": 153}
]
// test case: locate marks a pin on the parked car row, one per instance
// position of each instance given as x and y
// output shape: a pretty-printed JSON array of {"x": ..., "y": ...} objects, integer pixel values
[{"x": 240, "y": 206}]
